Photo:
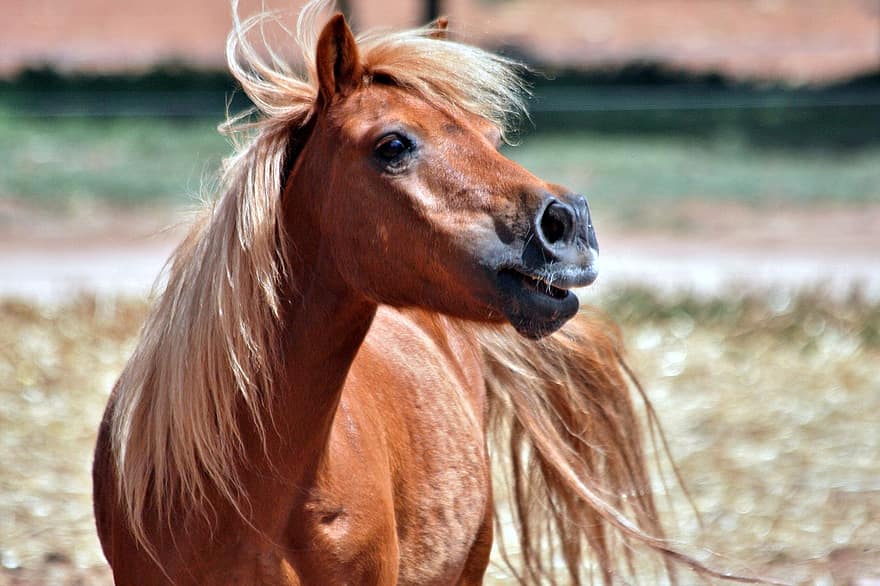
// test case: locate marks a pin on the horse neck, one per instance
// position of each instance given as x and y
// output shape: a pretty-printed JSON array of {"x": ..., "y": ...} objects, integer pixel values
[{"x": 325, "y": 324}]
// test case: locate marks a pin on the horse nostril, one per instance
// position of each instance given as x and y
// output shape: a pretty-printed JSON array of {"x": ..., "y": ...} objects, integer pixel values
[{"x": 556, "y": 223}]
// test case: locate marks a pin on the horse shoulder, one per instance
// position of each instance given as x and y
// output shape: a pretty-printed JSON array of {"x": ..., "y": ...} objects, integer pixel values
[{"x": 415, "y": 393}]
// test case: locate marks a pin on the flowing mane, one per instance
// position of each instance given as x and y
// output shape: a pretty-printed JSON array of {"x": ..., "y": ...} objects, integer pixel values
[
  {"x": 208, "y": 349},
  {"x": 333, "y": 439}
]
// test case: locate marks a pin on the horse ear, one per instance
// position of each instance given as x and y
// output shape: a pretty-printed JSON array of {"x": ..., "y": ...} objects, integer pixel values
[
  {"x": 439, "y": 29},
  {"x": 337, "y": 60}
]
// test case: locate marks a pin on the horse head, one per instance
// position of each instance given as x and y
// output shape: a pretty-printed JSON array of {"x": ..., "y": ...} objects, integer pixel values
[{"x": 417, "y": 188}]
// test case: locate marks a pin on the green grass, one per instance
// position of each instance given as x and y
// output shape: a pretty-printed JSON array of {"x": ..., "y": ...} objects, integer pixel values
[
  {"x": 621, "y": 174},
  {"x": 118, "y": 160},
  {"x": 57, "y": 161}
]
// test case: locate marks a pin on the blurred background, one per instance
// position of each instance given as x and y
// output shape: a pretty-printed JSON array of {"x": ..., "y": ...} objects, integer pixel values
[{"x": 730, "y": 150}]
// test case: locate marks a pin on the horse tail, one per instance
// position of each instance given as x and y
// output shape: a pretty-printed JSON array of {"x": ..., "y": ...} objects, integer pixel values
[{"x": 562, "y": 412}]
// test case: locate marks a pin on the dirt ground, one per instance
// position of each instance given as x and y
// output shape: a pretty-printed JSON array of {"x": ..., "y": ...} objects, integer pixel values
[
  {"x": 795, "y": 40},
  {"x": 709, "y": 248}
]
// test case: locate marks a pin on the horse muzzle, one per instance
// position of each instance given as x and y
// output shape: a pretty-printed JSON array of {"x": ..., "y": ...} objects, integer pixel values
[{"x": 560, "y": 254}]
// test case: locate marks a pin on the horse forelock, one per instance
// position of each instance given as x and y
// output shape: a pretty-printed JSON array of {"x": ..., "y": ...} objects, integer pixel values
[{"x": 208, "y": 351}]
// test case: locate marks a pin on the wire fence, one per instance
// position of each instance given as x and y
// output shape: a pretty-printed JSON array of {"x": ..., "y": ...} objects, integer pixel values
[{"x": 837, "y": 118}]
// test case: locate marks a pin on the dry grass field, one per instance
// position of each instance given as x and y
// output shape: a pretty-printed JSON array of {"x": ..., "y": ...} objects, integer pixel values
[{"x": 770, "y": 405}]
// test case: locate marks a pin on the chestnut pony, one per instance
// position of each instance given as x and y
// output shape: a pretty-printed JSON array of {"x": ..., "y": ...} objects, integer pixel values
[{"x": 312, "y": 395}]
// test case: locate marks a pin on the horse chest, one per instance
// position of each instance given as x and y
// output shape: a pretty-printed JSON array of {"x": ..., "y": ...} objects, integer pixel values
[
  {"x": 442, "y": 479},
  {"x": 440, "y": 515},
  {"x": 407, "y": 484}
]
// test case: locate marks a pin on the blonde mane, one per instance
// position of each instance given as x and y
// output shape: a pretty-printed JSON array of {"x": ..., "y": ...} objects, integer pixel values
[{"x": 207, "y": 356}]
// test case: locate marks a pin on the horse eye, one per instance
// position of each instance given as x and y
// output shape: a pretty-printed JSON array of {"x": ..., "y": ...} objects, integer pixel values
[{"x": 392, "y": 148}]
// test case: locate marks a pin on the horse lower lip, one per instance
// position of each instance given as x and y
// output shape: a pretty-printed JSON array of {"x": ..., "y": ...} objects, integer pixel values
[{"x": 530, "y": 307}]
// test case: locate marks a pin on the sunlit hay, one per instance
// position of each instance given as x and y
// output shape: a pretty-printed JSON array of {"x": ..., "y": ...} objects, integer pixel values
[
  {"x": 805, "y": 320},
  {"x": 770, "y": 405},
  {"x": 57, "y": 365}
]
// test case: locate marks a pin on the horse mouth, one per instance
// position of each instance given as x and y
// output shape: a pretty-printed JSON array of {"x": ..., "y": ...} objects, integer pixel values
[
  {"x": 538, "y": 304},
  {"x": 535, "y": 283}
]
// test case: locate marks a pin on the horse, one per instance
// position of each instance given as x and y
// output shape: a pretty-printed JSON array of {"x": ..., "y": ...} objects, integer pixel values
[{"x": 376, "y": 295}]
